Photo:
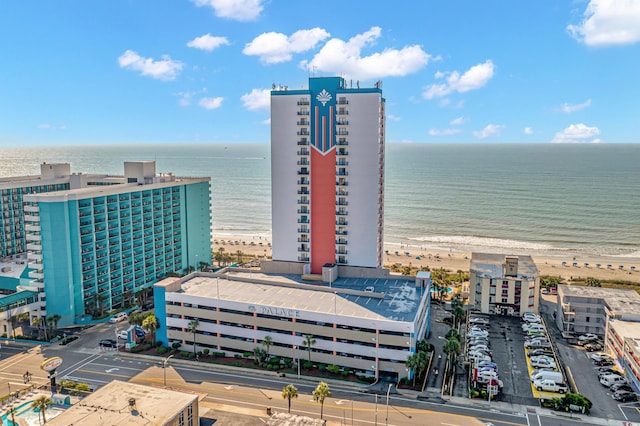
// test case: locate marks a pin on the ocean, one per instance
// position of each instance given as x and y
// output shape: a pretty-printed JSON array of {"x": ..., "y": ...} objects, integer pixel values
[{"x": 539, "y": 199}]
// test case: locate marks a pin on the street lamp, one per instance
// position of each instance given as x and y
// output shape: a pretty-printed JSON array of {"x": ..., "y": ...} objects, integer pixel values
[
  {"x": 164, "y": 369},
  {"x": 386, "y": 419},
  {"x": 297, "y": 348}
]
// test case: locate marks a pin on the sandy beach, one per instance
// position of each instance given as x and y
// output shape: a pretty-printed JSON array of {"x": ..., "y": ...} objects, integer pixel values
[{"x": 567, "y": 268}]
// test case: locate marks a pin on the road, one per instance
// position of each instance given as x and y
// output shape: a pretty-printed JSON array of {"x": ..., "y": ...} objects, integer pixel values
[{"x": 246, "y": 392}]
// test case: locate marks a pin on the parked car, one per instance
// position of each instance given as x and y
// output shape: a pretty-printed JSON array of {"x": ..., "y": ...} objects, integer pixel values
[
  {"x": 531, "y": 317},
  {"x": 122, "y": 334},
  {"x": 550, "y": 386},
  {"x": 541, "y": 351},
  {"x": 479, "y": 321},
  {"x": 490, "y": 364},
  {"x": 624, "y": 396},
  {"x": 477, "y": 333},
  {"x": 539, "y": 370},
  {"x": 543, "y": 357},
  {"x": 617, "y": 387},
  {"x": 593, "y": 347},
  {"x": 610, "y": 379},
  {"x": 537, "y": 343},
  {"x": 587, "y": 337},
  {"x": 603, "y": 363},
  {"x": 607, "y": 371},
  {"x": 120, "y": 316},
  {"x": 555, "y": 376},
  {"x": 543, "y": 362},
  {"x": 478, "y": 347},
  {"x": 108, "y": 343},
  {"x": 600, "y": 356}
]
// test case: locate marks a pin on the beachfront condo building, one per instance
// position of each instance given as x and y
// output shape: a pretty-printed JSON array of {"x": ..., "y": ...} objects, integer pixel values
[
  {"x": 503, "y": 285},
  {"x": 327, "y": 174},
  {"x": 91, "y": 243}
]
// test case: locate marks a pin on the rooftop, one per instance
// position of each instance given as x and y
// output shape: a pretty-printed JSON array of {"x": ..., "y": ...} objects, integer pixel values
[
  {"x": 621, "y": 302},
  {"x": 109, "y": 405},
  {"x": 491, "y": 265},
  {"x": 391, "y": 298}
]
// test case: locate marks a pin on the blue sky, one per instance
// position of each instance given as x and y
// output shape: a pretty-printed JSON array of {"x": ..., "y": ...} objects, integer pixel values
[{"x": 166, "y": 71}]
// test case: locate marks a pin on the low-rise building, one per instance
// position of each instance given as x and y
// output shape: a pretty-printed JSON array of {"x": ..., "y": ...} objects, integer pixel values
[
  {"x": 504, "y": 285},
  {"x": 130, "y": 404},
  {"x": 582, "y": 309},
  {"x": 368, "y": 325},
  {"x": 623, "y": 341}
]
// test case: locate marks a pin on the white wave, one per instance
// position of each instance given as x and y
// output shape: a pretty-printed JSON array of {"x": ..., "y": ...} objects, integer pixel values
[{"x": 471, "y": 241}]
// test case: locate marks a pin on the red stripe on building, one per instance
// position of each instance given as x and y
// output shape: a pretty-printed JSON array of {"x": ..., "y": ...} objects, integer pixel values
[{"x": 323, "y": 210}]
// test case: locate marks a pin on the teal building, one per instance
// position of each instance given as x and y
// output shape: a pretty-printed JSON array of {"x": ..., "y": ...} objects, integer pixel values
[{"x": 95, "y": 247}]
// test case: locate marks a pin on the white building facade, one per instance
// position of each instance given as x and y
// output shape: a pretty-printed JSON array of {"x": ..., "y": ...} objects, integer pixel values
[{"x": 327, "y": 154}]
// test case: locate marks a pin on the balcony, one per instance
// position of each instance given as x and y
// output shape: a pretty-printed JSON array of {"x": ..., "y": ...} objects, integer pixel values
[
  {"x": 303, "y": 132},
  {"x": 303, "y": 112},
  {"x": 303, "y": 201},
  {"x": 303, "y": 102},
  {"x": 342, "y": 213},
  {"x": 339, "y": 251},
  {"x": 303, "y": 230},
  {"x": 342, "y": 101},
  {"x": 342, "y": 112},
  {"x": 341, "y": 241},
  {"x": 341, "y": 232},
  {"x": 343, "y": 132},
  {"x": 342, "y": 142},
  {"x": 303, "y": 258},
  {"x": 342, "y": 203},
  {"x": 341, "y": 261},
  {"x": 303, "y": 152},
  {"x": 304, "y": 211},
  {"x": 342, "y": 152},
  {"x": 303, "y": 220},
  {"x": 303, "y": 181},
  {"x": 303, "y": 192},
  {"x": 303, "y": 142},
  {"x": 304, "y": 240},
  {"x": 303, "y": 122},
  {"x": 303, "y": 249},
  {"x": 303, "y": 162},
  {"x": 342, "y": 223},
  {"x": 303, "y": 172},
  {"x": 342, "y": 183}
]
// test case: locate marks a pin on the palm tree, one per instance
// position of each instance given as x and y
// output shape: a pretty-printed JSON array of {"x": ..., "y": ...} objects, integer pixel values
[
  {"x": 592, "y": 282},
  {"x": 267, "y": 343},
  {"x": 422, "y": 362},
  {"x": 192, "y": 327},
  {"x": 56, "y": 318},
  {"x": 13, "y": 319},
  {"x": 150, "y": 325},
  {"x": 308, "y": 342},
  {"x": 239, "y": 255},
  {"x": 41, "y": 404},
  {"x": 457, "y": 310},
  {"x": 288, "y": 393},
  {"x": 219, "y": 256},
  {"x": 452, "y": 349},
  {"x": 12, "y": 412},
  {"x": 453, "y": 334},
  {"x": 412, "y": 364},
  {"x": 320, "y": 393}
]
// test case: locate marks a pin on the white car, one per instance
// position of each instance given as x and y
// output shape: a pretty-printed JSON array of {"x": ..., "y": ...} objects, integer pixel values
[
  {"x": 543, "y": 362},
  {"x": 477, "y": 333},
  {"x": 587, "y": 337},
  {"x": 120, "y": 316},
  {"x": 601, "y": 356},
  {"x": 543, "y": 357},
  {"x": 479, "y": 321},
  {"x": 122, "y": 334},
  {"x": 531, "y": 317}
]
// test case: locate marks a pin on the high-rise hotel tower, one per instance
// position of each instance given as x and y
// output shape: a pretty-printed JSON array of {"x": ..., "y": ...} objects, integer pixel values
[{"x": 327, "y": 173}]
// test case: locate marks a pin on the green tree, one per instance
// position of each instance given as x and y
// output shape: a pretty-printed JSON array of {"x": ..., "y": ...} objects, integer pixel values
[
  {"x": 457, "y": 310},
  {"x": 56, "y": 319},
  {"x": 453, "y": 333},
  {"x": 320, "y": 393},
  {"x": 452, "y": 349},
  {"x": 267, "y": 342},
  {"x": 424, "y": 346},
  {"x": 13, "y": 320},
  {"x": 412, "y": 364},
  {"x": 422, "y": 363},
  {"x": 308, "y": 342},
  {"x": 150, "y": 325},
  {"x": 192, "y": 327},
  {"x": 259, "y": 355},
  {"x": 41, "y": 404},
  {"x": 289, "y": 392}
]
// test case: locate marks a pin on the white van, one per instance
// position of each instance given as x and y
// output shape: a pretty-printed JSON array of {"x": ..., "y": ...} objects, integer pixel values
[
  {"x": 610, "y": 379},
  {"x": 550, "y": 386},
  {"x": 556, "y": 376}
]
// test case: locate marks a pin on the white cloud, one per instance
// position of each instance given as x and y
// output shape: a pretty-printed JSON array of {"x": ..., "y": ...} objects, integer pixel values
[
  {"x": 273, "y": 48},
  {"x": 444, "y": 132},
  {"x": 458, "y": 121},
  {"x": 208, "y": 42},
  {"x": 577, "y": 133},
  {"x": 391, "y": 117},
  {"x": 489, "y": 130},
  {"x": 51, "y": 127},
  {"x": 528, "y": 131},
  {"x": 258, "y": 99},
  {"x": 211, "y": 103},
  {"x": 267, "y": 122},
  {"x": 569, "y": 108},
  {"x": 345, "y": 58},
  {"x": 239, "y": 10},
  {"x": 474, "y": 78},
  {"x": 165, "y": 69},
  {"x": 608, "y": 23}
]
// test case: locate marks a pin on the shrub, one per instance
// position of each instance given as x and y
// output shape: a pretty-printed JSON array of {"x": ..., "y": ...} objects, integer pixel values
[
  {"x": 247, "y": 354},
  {"x": 333, "y": 369},
  {"x": 184, "y": 354},
  {"x": 322, "y": 367},
  {"x": 307, "y": 365},
  {"x": 219, "y": 354},
  {"x": 176, "y": 345},
  {"x": 158, "y": 344},
  {"x": 161, "y": 350},
  {"x": 137, "y": 349},
  {"x": 206, "y": 351},
  {"x": 344, "y": 373},
  {"x": 274, "y": 361},
  {"x": 237, "y": 356}
]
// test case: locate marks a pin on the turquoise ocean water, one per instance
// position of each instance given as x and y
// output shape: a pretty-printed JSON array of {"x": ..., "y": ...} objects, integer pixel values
[{"x": 542, "y": 199}]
